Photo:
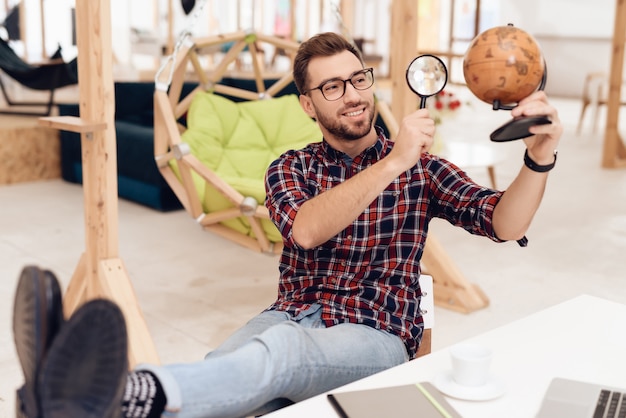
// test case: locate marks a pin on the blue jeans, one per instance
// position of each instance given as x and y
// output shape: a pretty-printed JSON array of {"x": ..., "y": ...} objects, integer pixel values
[{"x": 274, "y": 360}]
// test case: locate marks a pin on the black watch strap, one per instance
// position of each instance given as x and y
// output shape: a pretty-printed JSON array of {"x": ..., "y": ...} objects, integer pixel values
[{"x": 536, "y": 167}]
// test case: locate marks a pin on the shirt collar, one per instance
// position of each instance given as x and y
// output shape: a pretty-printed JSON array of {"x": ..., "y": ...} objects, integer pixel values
[{"x": 374, "y": 152}]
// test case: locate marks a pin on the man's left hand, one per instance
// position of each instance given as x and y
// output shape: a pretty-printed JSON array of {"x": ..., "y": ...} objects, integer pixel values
[{"x": 544, "y": 141}]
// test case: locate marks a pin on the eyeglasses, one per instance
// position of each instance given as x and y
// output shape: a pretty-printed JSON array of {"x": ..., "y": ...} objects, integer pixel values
[{"x": 335, "y": 89}]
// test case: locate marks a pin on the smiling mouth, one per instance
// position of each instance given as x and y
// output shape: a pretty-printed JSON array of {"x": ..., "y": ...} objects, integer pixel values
[{"x": 355, "y": 113}]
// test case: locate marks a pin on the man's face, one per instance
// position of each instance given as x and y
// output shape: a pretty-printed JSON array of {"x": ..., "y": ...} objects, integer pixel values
[{"x": 348, "y": 118}]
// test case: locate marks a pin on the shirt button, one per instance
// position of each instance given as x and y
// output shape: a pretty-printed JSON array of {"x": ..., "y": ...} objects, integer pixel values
[{"x": 343, "y": 263}]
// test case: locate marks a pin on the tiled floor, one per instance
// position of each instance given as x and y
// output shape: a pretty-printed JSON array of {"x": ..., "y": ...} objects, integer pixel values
[{"x": 195, "y": 288}]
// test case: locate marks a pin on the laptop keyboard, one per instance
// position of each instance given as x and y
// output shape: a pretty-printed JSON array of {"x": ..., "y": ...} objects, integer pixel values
[{"x": 610, "y": 404}]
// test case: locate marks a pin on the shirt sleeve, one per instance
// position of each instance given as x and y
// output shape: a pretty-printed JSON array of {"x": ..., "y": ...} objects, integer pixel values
[
  {"x": 286, "y": 191},
  {"x": 461, "y": 201}
]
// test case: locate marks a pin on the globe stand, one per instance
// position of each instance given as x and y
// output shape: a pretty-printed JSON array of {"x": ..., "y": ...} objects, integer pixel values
[{"x": 517, "y": 128}]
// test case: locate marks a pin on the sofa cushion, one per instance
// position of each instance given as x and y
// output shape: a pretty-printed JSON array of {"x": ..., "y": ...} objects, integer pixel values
[{"x": 239, "y": 140}]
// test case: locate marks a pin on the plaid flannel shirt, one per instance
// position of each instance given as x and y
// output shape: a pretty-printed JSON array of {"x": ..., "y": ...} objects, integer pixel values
[{"x": 368, "y": 274}]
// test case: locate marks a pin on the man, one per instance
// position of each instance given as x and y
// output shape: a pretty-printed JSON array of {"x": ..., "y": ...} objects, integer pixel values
[{"x": 353, "y": 211}]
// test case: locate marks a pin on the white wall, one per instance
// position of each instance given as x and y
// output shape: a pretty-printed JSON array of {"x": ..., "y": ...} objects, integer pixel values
[{"x": 575, "y": 35}]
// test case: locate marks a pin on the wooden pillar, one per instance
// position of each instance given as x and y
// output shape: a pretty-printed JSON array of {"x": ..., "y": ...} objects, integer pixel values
[
  {"x": 42, "y": 18},
  {"x": 23, "y": 31},
  {"x": 293, "y": 20},
  {"x": 100, "y": 272},
  {"x": 169, "y": 49},
  {"x": 451, "y": 289},
  {"x": 347, "y": 16},
  {"x": 614, "y": 151},
  {"x": 403, "y": 49}
]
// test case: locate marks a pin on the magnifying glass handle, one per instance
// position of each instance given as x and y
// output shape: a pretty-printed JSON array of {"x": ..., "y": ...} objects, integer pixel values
[{"x": 422, "y": 102}]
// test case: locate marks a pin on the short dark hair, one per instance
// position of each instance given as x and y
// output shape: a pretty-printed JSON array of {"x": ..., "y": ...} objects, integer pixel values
[{"x": 321, "y": 45}]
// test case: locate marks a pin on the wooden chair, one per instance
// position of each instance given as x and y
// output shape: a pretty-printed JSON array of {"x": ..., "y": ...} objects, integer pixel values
[
  {"x": 427, "y": 308},
  {"x": 595, "y": 93}
]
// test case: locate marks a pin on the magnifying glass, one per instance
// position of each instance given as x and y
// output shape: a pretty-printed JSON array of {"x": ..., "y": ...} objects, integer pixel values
[{"x": 426, "y": 75}]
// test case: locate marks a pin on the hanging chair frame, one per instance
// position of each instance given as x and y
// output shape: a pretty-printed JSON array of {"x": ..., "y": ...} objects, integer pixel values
[{"x": 170, "y": 107}]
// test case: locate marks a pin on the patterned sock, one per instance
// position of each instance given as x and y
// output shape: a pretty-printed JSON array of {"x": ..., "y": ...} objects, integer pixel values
[{"x": 144, "y": 396}]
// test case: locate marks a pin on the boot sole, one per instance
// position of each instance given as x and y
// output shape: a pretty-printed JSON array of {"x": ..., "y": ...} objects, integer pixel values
[
  {"x": 37, "y": 317},
  {"x": 84, "y": 374}
]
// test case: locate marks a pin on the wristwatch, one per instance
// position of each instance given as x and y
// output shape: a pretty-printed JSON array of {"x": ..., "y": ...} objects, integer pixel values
[{"x": 536, "y": 167}]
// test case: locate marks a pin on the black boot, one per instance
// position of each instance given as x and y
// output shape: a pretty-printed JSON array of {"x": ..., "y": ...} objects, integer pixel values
[
  {"x": 84, "y": 373},
  {"x": 37, "y": 317}
]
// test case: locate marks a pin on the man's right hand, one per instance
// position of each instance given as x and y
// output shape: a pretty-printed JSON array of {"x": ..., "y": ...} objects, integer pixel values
[{"x": 414, "y": 138}]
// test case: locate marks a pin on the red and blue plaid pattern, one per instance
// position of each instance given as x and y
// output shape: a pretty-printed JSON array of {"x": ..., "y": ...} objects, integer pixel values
[{"x": 368, "y": 274}]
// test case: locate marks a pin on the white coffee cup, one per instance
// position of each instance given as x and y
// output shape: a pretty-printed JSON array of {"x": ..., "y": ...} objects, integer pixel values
[{"x": 470, "y": 364}]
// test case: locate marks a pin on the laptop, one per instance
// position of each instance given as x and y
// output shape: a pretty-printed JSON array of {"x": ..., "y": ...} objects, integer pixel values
[{"x": 576, "y": 399}]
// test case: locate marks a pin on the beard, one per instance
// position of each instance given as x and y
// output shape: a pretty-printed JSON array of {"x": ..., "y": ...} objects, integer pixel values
[{"x": 343, "y": 131}]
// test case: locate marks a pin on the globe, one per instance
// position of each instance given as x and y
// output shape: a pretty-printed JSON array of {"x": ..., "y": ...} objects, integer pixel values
[{"x": 503, "y": 65}]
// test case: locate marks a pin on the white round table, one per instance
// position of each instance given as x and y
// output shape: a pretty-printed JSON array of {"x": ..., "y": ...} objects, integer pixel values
[{"x": 467, "y": 155}]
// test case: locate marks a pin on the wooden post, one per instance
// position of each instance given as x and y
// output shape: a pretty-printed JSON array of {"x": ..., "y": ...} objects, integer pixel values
[
  {"x": 614, "y": 151},
  {"x": 23, "y": 31},
  {"x": 170, "y": 27},
  {"x": 451, "y": 289},
  {"x": 42, "y": 18},
  {"x": 293, "y": 20},
  {"x": 100, "y": 273},
  {"x": 347, "y": 16},
  {"x": 403, "y": 49}
]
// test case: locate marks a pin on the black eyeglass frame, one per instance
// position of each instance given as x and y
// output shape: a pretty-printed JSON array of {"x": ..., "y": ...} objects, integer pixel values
[{"x": 364, "y": 71}]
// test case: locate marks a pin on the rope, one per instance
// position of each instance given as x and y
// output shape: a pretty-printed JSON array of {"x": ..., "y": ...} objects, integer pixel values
[{"x": 183, "y": 39}]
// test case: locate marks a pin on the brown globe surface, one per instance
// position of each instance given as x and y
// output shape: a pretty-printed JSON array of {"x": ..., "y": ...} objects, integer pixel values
[{"x": 503, "y": 63}]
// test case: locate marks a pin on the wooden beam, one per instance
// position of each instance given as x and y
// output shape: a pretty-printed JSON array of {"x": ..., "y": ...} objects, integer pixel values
[
  {"x": 72, "y": 124},
  {"x": 170, "y": 28},
  {"x": 614, "y": 151},
  {"x": 346, "y": 10},
  {"x": 293, "y": 20},
  {"x": 403, "y": 48},
  {"x": 23, "y": 31},
  {"x": 100, "y": 273},
  {"x": 42, "y": 19}
]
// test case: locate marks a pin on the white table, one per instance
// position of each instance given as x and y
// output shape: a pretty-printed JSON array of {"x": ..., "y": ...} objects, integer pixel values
[
  {"x": 467, "y": 155},
  {"x": 583, "y": 338}
]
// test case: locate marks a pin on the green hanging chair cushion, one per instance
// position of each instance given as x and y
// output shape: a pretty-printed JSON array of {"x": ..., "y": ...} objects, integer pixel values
[{"x": 238, "y": 141}]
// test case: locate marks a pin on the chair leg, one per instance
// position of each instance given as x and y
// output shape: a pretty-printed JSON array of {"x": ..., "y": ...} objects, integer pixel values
[{"x": 582, "y": 116}]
